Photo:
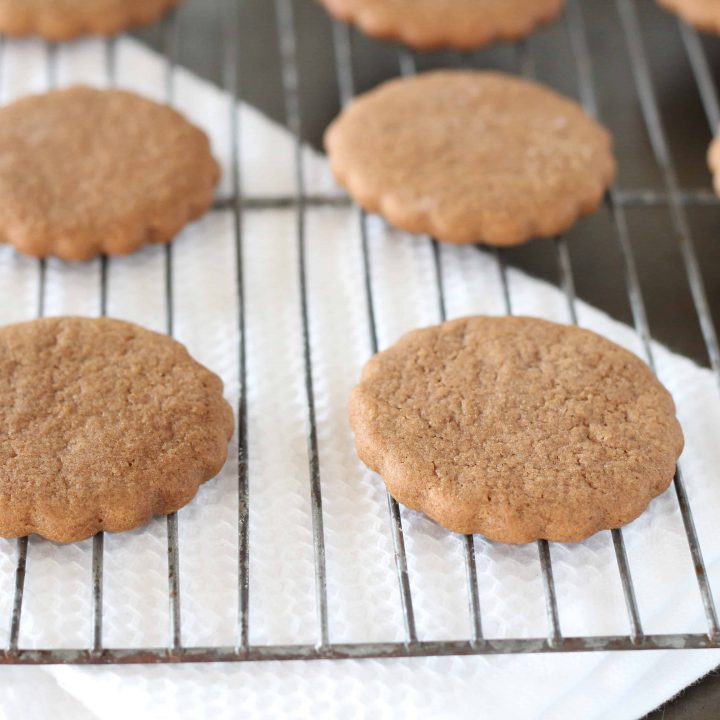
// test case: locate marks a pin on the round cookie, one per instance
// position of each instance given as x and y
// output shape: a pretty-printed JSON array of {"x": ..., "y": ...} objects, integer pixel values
[
  {"x": 702, "y": 14},
  {"x": 471, "y": 156},
  {"x": 66, "y": 19},
  {"x": 516, "y": 428},
  {"x": 85, "y": 171},
  {"x": 103, "y": 425},
  {"x": 460, "y": 24}
]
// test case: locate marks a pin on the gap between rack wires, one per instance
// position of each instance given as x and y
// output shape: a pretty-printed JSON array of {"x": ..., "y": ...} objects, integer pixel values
[
  {"x": 291, "y": 91},
  {"x": 346, "y": 85},
  {"x": 408, "y": 68}
]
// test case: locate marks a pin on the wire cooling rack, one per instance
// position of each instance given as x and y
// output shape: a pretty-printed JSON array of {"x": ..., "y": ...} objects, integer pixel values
[{"x": 676, "y": 200}]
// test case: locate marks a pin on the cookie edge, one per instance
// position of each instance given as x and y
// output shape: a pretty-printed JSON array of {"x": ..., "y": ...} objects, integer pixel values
[
  {"x": 69, "y": 31},
  {"x": 51, "y": 531},
  {"x": 195, "y": 206},
  {"x": 367, "y": 448},
  {"x": 696, "y": 20},
  {"x": 421, "y": 222},
  {"x": 462, "y": 40}
]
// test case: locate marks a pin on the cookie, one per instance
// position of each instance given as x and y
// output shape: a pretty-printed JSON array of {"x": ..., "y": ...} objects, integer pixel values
[
  {"x": 103, "y": 425},
  {"x": 86, "y": 171},
  {"x": 66, "y": 19},
  {"x": 460, "y": 24},
  {"x": 702, "y": 14},
  {"x": 516, "y": 428},
  {"x": 471, "y": 156},
  {"x": 714, "y": 163}
]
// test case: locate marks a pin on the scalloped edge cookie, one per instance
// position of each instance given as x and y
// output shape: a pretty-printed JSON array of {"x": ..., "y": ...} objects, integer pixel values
[
  {"x": 53, "y": 21},
  {"x": 89, "y": 171},
  {"x": 103, "y": 425},
  {"x": 516, "y": 428},
  {"x": 441, "y": 24},
  {"x": 471, "y": 156}
]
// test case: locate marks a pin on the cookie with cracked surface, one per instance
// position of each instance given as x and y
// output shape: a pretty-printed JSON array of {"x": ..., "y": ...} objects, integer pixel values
[
  {"x": 516, "y": 428},
  {"x": 103, "y": 425},
  {"x": 460, "y": 24},
  {"x": 59, "y": 20},
  {"x": 471, "y": 156},
  {"x": 85, "y": 171},
  {"x": 702, "y": 14}
]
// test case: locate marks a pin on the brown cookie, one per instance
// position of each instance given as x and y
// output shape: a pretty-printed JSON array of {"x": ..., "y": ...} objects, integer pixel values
[
  {"x": 103, "y": 425},
  {"x": 702, "y": 14},
  {"x": 461, "y": 24},
  {"x": 86, "y": 171},
  {"x": 471, "y": 156},
  {"x": 516, "y": 428},
  {"x": 714, "y": 162},
  {"x": 65, "y": 19}
]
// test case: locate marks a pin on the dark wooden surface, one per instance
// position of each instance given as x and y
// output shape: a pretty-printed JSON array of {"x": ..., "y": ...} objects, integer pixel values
[{"x": 595, "y": 256}]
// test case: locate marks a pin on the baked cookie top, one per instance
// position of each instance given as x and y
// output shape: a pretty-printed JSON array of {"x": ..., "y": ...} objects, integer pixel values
[
  {"x": 103, "y": 425},
  {"x": 461, "y": 24},
  {"x": 516, "y": 428},
  {"x": 471, "y": 156},
  {"x": 65, "y": 19},
  {"x": 86, "y": 171},
  {"x": 703, "y": 14}
]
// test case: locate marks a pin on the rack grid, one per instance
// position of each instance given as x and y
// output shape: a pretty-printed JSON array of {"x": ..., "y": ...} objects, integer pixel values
[{"x": 677, "y": 200}]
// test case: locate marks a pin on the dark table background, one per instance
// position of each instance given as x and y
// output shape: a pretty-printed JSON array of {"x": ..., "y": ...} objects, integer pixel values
[{"x": 595, "y": 253}]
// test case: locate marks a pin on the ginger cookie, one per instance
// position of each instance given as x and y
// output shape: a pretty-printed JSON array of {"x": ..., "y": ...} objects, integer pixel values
[
  {"x": 66, "y": 19},
  {"x": 702, "y": 14},
  {"x": 714, "y": 162},
  {"x": 460, "y": 24},
  {"x": 103, "y": 425},
  {"x": 86, "y": 171},
  {"x": 471, "y": 156},
  {"x": 516, "y": 428}
]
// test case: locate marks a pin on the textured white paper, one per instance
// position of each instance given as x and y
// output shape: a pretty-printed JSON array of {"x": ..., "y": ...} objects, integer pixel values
[{"x": 364, "y": 602}]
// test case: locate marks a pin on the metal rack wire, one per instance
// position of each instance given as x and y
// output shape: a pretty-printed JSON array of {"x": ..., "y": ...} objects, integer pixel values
[{"x": 617, "y": 202}]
